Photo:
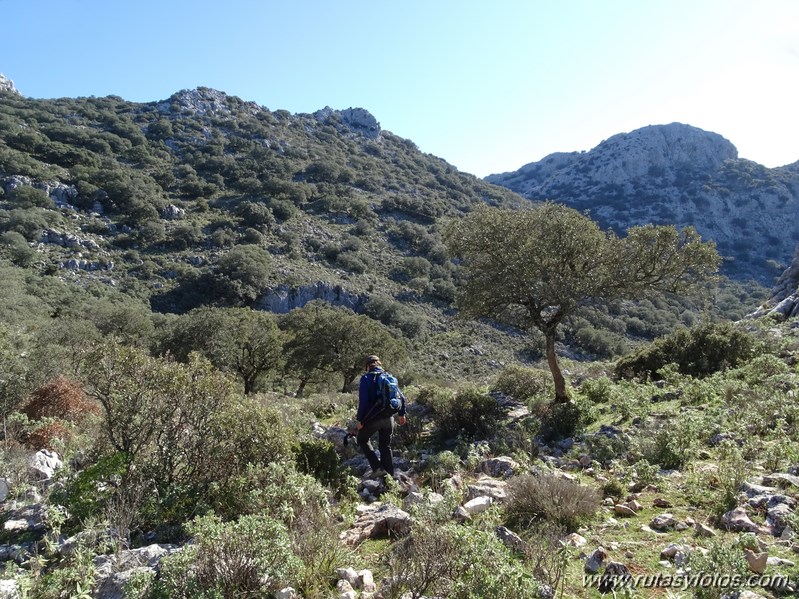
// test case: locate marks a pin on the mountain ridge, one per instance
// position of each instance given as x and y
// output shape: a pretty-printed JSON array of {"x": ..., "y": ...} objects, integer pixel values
[{"x": 682, "y": 175}]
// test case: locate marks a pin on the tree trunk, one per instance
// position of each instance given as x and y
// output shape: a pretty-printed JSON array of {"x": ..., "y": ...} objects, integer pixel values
[
  {"x": 561, "y": 396},
  {"x": 301, "y": 388}
]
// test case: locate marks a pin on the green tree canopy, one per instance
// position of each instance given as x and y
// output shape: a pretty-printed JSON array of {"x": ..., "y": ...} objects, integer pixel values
[
  {"x": 536, "y": 267},
  {"x": 243, "y": 273},
  {"x": 242, "y": 341},
  {"x": 336, "y": 340}
]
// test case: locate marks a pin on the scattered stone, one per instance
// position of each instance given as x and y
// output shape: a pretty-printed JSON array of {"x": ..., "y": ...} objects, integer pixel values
[
  {"x": 624, "y": 510},
  {"x": 485, "y": 486},
  {"x": 778, "y": 517},
  {"x": 349, "y": 574},
  {"x": 703, "y": 530},
  {"x": 757, "y": 561},
  {"x": 478, "y": 504},
  {"x": 737, "y": 520},
  {"x": 510, "y": 539},
  {"x": 663, "y": 522},
  {"x": 366, "y": 581},
  {"x": 43, "y": 465},
  {"x": 595, "y": 560},
  {"x": 461, "y": 514},
  {"x": 287, "y": 593},
  {"x": 661, "y": 503},
  {"x": 345, "y": 590},
  {"x": 634, "y": 505},
  {"x": 383, "y": 520},
  {"x": 585, "y": 460},
  {"x": 614, "y": 574},
  {"x": 778, "y": 562},
  {"x": 574, "y": 540},
  {"x": 501, "y": 466},
  {"x": 674, "y": 552},
  {"x": 781, "y": 479}
]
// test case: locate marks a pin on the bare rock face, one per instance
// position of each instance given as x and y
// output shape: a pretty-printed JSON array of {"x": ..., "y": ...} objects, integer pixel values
[
  {"x": 6, "y": 85},
  {"x": 358, "y": 120}
]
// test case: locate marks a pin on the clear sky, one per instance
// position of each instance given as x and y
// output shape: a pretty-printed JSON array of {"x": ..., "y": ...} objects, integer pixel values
[{"x": 488, "y": 86}]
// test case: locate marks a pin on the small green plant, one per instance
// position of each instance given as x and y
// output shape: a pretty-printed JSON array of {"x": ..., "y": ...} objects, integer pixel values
[
  {"x": 318, "y": 458},
  {"x": 599, "y": 390},
  {"x": 731, "y": 473}
]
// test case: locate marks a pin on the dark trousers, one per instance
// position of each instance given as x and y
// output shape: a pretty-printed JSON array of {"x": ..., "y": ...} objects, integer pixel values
[{"x": 385, "y": 429}]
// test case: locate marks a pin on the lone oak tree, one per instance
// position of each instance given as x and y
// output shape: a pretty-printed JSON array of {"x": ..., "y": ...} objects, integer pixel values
[{"x": 539, "y": 266}]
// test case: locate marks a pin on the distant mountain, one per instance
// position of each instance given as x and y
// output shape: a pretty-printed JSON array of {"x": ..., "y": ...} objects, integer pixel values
[{"x": 677, "y": 174}]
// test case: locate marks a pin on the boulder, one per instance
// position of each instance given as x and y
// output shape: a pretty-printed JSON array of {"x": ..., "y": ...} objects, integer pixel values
[
  {"x": 510, "y": 539},
  {"x": 382, "y": 520},
  {"x": 44, "y": 464},
  {"x": 478, "y": 504},
  {"x": 757, "y": 561},
  {"x": 488, "y": 487},
  {"x": 738, "y": 520},
  {"x": 663, "y": 522},
  {"x": 502, "y": 466},
  {"x": 595, "y": 560}
]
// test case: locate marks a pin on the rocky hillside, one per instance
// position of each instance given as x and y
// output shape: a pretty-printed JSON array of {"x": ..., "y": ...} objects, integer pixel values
[{"x": 677, "y": 174}]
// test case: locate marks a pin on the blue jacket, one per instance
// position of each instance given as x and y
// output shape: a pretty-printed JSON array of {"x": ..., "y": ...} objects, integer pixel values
[{"x": 368, "y": 399}]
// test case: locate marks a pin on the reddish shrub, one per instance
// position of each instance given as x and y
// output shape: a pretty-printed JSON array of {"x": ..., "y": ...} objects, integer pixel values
[
  {"x": 60, "y": 398},
  {"x": 44, "y": 437}
]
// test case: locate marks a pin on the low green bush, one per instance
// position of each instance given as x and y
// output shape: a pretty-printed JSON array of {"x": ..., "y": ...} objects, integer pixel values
[
  {"x": 523, "y": 383},
  {"x": 249, "y": 557},
  {"x": 468, "y": 413},
  {"x": 698, "y": 352}
]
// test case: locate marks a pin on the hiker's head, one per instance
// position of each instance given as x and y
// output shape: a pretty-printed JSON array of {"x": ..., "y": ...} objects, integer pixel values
[{"x": 373, "y": 362}]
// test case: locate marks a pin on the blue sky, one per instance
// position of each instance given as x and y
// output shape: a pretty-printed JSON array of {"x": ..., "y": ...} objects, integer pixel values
[{"x": 488, "y": 86}]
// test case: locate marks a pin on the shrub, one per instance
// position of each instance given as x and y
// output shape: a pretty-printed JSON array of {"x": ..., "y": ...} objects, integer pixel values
[
  {"x": 318, "y": 458},
  {"x": 564, "y": 419},
  {"x": 48, "y": 435},
  {"x": 524, "y": 383},
  {"x": 249, "y": 557},
  {"x": 723, "y": 561},
  {"x": 698, "y": 352},
  {"x": 672, "y": 446},
  {"x": 468, "y": 412},
  {"x": 60, "y": 398},
  {"x": 456, "y": 562},
  {"x": 551, "y": 498},
  {"x": 275, "y": 489},
  {"x": 599, "y": 390}
]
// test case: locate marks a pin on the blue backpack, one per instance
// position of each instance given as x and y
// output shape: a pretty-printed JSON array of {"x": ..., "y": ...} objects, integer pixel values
[{"x": 389, "y": 396}]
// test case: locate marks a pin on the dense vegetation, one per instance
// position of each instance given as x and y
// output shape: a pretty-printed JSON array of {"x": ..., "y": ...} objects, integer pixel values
[{"x": 189, "y": 287}]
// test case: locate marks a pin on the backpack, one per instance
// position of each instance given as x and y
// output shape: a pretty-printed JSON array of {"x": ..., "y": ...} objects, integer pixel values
[{"x": 389, "y": 396}]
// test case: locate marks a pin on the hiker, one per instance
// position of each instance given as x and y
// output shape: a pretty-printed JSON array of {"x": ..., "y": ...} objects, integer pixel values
[{"x": 372, "y": 419}]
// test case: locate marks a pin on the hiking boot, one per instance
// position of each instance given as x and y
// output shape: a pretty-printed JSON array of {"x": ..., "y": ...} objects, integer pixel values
[{"x": 379, "y": 473}]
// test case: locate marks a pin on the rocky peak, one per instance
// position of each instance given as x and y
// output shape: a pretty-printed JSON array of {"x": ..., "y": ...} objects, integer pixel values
[
  {"x": 6, "y": 85},
  {"x": 202, "y": 101},
  {"x": 661, "y": 147},
  {"x": 357, "y": 120}
]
